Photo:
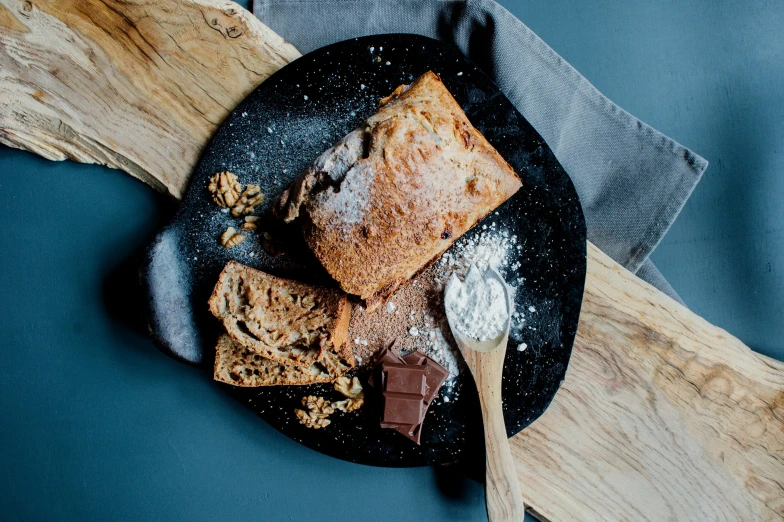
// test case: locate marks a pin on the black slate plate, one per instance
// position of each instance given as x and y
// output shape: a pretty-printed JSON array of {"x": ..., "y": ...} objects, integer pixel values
[{"x": 272, "y": 136}]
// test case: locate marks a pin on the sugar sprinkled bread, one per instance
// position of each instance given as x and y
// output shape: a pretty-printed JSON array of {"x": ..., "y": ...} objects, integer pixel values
[{"x": 389, "y": 198}]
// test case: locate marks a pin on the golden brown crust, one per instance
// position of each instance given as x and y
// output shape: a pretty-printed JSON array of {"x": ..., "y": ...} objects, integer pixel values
[
  {"x": 390, "y": 197},
  {"x": 287, "y": 321},
  {"x": 241, "y": 366}
]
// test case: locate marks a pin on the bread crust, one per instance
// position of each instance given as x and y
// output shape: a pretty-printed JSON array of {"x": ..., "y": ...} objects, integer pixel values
[
  {"x": 283, "y": 320},
  {"x": 392, "y": 196}
]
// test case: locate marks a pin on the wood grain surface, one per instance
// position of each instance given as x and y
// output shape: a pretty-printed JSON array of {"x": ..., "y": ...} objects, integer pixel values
[
  {"x": 662, "y": 416},
  {"x": 138, "y": 85}
]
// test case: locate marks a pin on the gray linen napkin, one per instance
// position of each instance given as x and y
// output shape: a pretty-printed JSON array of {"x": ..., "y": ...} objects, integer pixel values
[{"x": 632, "y": 180}]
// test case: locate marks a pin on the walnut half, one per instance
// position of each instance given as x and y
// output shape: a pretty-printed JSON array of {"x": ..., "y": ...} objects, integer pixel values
[
  {"x": 250, "y": 223},
  {"x": 348, "y": 405},
  {"x": 352, "y": 389},
  {"x": 318, "y": 409},
  {"x": 311, "y": 420},
  {"x": 318, "y": 405},
  {"x": 251, "y": 198},
  {"x": 225, "y": 189},
  {"x": 231, "y": 237}
]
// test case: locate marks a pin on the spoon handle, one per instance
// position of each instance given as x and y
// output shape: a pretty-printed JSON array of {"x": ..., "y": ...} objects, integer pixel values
[{"x": 502, "y": 489}]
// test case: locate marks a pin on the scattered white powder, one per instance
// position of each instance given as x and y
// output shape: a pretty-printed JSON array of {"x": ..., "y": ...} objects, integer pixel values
[
  {"x": 414, "y": 331},
  {"x": 390, "y": 307},
  {"x": 521, "y": 347},
  {"x": 490, "y": 249},
  {"x": 476, "y": 306},
  {"x": 440, "y": 350}
]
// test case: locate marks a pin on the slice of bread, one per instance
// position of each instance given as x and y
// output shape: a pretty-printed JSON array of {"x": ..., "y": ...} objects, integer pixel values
[
  {"x": 287, "y": 321},
  {"x": 240, "y": 366},
  {"x": 388, "y": 199}
]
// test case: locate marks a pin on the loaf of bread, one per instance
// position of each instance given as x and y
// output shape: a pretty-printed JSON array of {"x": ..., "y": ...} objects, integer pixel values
[
  {"x": 286, "y": 321},
  {"x": 389, "y": 198},
  {"x": 240, "y": 366}
]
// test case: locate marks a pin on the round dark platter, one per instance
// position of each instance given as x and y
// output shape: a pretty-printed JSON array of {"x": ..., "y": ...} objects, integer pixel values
[{"x": 271, "y": 137}]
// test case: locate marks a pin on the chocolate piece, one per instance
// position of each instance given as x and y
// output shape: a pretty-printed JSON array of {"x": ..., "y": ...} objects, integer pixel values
[
  {"x": 408, "y": 385},
  {"x": 415, "y": 358},
  {"x": 403, "y": 378},
  {"x": 402, "y": 408},
  {"x": 411, "y": 432},
  {"x": 387, "y": 355},
  {"x": 436, "y": 375}
]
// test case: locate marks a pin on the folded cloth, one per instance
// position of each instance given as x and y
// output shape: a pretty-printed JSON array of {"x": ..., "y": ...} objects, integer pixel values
[{"x": 632, "y": 180}]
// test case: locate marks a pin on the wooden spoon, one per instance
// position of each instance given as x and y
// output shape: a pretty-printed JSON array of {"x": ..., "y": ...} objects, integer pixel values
[{"x": 485, "y": 359}]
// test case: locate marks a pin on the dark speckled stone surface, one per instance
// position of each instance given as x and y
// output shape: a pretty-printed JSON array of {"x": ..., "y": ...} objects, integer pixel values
[{"x": 271, "y": 137}]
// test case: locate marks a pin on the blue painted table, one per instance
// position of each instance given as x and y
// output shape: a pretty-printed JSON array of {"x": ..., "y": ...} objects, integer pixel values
[{"x": 97, "y": 425}]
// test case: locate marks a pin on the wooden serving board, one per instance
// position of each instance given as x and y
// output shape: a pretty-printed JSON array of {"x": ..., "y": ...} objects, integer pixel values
[{"x": 662, "y": 416}]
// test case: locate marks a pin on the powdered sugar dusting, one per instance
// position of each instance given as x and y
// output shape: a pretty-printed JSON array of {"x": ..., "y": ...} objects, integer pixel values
[{"x": 350, "y": 201}]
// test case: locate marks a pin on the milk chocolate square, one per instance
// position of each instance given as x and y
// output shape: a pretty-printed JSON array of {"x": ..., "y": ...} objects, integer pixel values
[
  {"x": 402, "y": 408},
  {"x": 404, "y": 378}
]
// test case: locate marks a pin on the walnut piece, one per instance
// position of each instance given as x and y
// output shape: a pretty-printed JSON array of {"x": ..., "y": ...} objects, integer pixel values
[
  {"x": 348, "y": 405},
  {"x": 310, "y": 420},
  {"x": 251, "y": 198},
  {"x": 231, "y": 238},
  {"x": 350, "y": 388},
  {"x": 250, "y": 223},
  {"x": 318, "y": 406},
  {"x": 225, "y": 189},
  {"x": 318, "y": 409}
]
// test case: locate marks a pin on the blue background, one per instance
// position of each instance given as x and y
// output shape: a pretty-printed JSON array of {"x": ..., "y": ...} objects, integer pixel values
[{"x": 98, "y": 425}]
